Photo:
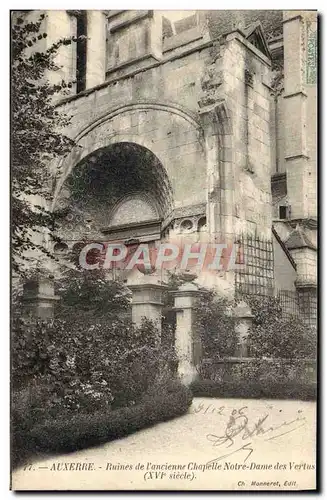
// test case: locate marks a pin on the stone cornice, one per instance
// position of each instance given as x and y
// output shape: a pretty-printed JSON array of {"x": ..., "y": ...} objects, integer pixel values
[
  {"x": 294, "y": 18},
  {"x": 238, "y": 35},
  {"x": 134, "y": 72},
  {"x": 298, "y": 156},
  {"x": 310, "y": 222},
  {"x": 128, "y": 22},
  {"x": 295, "y": 94},
  {"x": 131, "y": 225}
]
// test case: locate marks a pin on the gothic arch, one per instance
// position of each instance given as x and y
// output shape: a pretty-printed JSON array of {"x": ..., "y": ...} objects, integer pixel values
[
  {"x": 141, "y": 106},
  {"x": 85, "y": 147}
]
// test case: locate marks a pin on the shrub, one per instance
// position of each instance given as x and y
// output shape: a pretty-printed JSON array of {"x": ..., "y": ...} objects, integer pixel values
[
  {"x": 89, "y": 360},
  {"x": 216, "y": 325},
  {"x": 80, "y": 431},
  {"x": 287, "y": 338},
  {"x": 274, "y": 335},
  {"x": 90, "y": 356},
  {"x": 89, "y": 297},
  {"x": 255, "y": 389},
  {"x": 257, "y": 378},
  {"x": 72, "y": 367}
]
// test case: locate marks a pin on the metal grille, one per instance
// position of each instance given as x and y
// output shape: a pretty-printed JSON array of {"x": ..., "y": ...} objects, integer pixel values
[
  {"x": 300, "y": 304},
  {"x": 257, "y": 274},
  {"x": 289, "y": 301},
  {"x": 257, "y": 278},
  {"x": 308, "y": 305}
]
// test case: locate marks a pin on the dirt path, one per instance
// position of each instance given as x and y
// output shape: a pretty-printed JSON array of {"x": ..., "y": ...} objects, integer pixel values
[{"x": 172, "y": 455}]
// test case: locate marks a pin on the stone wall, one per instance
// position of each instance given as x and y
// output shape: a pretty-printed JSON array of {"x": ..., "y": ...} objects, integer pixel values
[
  {"x": 284, "y": 272},
  {"x": 158, "y": 108},
  {"x": 246, "y": 75},
  {"x": 60, "y": 24},
  {"x": 296, "y": 131},
  {"x": 203, "y": 107},
  {"x": 300, "y": 114},
  {"x": 169, "y": 133}
]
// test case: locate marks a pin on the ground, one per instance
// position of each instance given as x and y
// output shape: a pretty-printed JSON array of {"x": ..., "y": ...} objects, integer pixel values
[{"x": 216, "y": 434}]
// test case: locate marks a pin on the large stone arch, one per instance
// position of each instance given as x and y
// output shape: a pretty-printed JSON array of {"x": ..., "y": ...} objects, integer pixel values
[
  {"x": 199, "y": 160},
  {"x": 121, "y": 174},
  {"x": 174, "y": 135}
]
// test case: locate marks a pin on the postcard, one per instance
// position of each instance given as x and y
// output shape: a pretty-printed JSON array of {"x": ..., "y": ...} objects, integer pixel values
[{"x": 164, "y": 250}]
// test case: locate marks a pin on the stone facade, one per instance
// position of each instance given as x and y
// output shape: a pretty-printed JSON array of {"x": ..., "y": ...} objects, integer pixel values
[
  {"x": 216, "y": 117},
  {"x": 294, "y": 177}
]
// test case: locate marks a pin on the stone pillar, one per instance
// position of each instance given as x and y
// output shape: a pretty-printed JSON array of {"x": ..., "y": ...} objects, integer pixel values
[
  {"x": 147, "y": 300},
  {"x": 243, "y": 322},
  {"x": 220, "y": 166},
  {"x": 156, "y": 34},
  {"x": 61, "y": 24},
  {"x": 187, "y": 342},
  {"x": 39, "y": 297},
  {"x": 95, "y": 48},
  {"x": 299, "y": 165}
]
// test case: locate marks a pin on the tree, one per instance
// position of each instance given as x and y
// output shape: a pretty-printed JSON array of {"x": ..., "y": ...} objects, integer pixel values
[
  {"x": 36, "y": 137},
  {"x": 89, "y": 297}
]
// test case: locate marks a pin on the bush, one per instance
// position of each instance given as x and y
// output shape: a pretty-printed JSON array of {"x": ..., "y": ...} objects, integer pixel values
[
  {"x": 80, "y": 431},
  {"x": 216, "y": 325},
  {"x": 288, "y": 338},
  {"x": 274, "y": 335},
  {"x": 257, "y": 378},
  {"x": 86, "y": 363},
  {"x": 89, "y": 297},
  {"x": 255, "y": 390},
  {"x": 71, "y": 367}
]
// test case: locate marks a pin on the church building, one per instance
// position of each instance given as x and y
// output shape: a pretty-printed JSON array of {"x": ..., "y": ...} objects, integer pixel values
[{"x": 194, "y": 126}]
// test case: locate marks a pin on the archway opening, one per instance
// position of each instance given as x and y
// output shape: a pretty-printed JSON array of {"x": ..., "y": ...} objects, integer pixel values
[{"x": 121, "y": 185}]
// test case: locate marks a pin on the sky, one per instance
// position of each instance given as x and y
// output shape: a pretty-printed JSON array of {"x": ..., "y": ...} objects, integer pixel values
[{"x": 175, "y": 15}]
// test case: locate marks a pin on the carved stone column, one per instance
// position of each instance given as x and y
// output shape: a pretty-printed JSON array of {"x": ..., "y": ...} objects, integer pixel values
[
  {"x": 187, "y": 342},
  {"x": 215, "y": 116}
]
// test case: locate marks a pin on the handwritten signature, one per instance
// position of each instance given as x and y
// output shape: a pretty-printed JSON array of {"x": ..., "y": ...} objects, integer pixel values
[{"x": 239, "y": 426}]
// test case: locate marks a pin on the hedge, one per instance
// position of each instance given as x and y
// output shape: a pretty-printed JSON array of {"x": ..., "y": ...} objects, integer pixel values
[
  {"x": 254, "y": 390},
  {"x": 65, "y": 435}
]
